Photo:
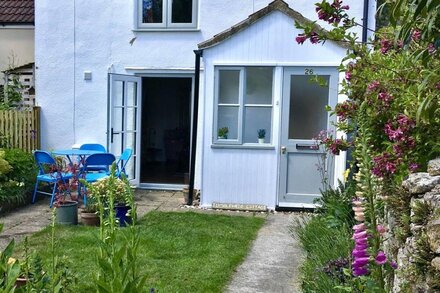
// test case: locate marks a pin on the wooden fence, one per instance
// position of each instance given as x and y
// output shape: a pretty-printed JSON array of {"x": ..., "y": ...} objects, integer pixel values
[{"x": 20, "y": 128}]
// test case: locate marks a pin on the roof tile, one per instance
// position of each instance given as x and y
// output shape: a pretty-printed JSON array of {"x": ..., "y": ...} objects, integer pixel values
[{"x": 16, "y": 11}]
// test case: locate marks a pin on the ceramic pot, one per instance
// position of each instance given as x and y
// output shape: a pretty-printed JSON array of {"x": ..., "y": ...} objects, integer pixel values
[
  {"x": 261, "y": 140},
  {"x": 121, "y": 214},
  {"x": 67, "y": 213}
]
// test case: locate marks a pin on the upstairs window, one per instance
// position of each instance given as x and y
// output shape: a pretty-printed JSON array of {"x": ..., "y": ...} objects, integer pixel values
[{"x": 167, "y": 14}]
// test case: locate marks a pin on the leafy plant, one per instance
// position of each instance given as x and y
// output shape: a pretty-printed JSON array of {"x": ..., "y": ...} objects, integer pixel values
[
  {"x": 118, "y": 261},
  {"x": 9, "y": 268},
  {"x": 223, "y": 132},
  {"x": 261, "y": 133},
  {"x": 12, "y": 95}
]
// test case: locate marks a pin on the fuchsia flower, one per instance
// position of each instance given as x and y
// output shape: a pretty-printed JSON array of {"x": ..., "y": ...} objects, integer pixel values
[
  {"x": 381, "y": 258},
  {"x": 385, "y": 46},
  {"x": 416, "y": 35},
  {"x": 348, "y": 75},
  {"x": 385, "y": 97},
  {"x": 314, "y": 38},
  {"x": 301, "y": 38},
  {"x": 373, "y": 86}
]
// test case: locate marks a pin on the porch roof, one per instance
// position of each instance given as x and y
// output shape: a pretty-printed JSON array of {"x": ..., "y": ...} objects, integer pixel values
[{"x": 276, "y": 5}]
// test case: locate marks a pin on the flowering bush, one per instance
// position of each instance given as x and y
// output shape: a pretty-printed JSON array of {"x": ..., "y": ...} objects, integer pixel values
[
  {"x": 101, "y": 190},
  {"x": 393, "y": 115},
  {"x": 17, "y": 175}
]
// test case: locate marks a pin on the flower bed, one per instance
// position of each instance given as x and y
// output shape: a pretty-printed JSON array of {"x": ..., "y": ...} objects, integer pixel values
[{"x": 17, "y": 178}]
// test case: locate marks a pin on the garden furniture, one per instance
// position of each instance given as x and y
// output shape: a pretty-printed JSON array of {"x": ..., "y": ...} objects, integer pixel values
[
  {"x": 98, "y": 159},
  {"x": 46, "y": 162},
  {"x": 122, "y": 162}
]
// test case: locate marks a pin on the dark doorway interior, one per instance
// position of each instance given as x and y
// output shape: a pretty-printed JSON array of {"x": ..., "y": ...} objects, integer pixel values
[{"x": 165, "y": 140}]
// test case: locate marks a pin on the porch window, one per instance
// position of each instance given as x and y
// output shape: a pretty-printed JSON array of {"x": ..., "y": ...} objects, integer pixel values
[
  {"x": 243, "y": 105},
  {"x": 167, "y": 14}
]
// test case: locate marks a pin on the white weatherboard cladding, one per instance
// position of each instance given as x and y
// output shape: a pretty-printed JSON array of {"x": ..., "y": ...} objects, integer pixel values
[{"x": 249, "y": 176}]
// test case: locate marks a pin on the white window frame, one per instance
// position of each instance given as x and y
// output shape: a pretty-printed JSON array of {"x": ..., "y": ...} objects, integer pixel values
[
  {"x": 242, "y": 105},
  {"x": 166, "y": 23}
]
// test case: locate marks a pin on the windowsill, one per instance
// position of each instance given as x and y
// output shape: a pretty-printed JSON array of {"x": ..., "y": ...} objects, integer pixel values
[
  {"x": 166, "y": 30},
  {"x": 248, "y": 146}
]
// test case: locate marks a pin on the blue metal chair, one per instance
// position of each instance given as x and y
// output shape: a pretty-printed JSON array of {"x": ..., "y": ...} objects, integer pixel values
[
  {"x": 104, "y": 159},
  {"x": 122, "y": 162},
  {"x": 95, "y": 147},
  {"x": 46, "y": 162}
]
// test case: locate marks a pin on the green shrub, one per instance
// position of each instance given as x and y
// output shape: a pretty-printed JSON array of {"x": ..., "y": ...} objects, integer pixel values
[
  {"x": 20, "y": 179},
  {"x": 323, "y": 245}
]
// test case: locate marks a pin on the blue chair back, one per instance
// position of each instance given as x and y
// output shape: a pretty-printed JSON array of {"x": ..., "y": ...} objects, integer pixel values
[
  {"x": 123, "y": 160},
  {"x": 43, "y": 159},
  {"x": 104, "y": 159},
  {"x": 93, "y": 147}
]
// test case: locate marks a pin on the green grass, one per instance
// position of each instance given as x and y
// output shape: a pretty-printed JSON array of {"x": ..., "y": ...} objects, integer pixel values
[
  {"x": 322, "y": 244},
  {"x": 179, "y": 252}
]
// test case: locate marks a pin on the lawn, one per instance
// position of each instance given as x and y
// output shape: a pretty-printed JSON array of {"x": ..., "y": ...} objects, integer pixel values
[{"x": 180, "y": 252}]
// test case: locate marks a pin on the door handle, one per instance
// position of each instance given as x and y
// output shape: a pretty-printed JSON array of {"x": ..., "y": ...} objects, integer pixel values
[
  {"x": 283, "y": 149},
  {"x": 111, "y": 135}
]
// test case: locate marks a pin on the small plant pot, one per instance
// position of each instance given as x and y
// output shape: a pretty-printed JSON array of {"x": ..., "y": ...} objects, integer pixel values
[
  {"x": 67, "y": 213},
  {"x": 261, "y": 140},
  {"x": 90, "y": 219},
  {"x": 121, "y": 214}
]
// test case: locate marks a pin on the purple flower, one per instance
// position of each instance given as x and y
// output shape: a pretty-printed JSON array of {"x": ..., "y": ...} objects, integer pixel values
[
  {"x": 416, "y": 35},
  {"x": 361, "y": 261},
  {"x": 385, "y": 46},
  {"x": 345, "y": 7},
  {"x": 362, "y": 271},
  {"x": 393, "y": 264},
  {"x": 301, "y": 38},
  {"x": 431, "y": 48},
  {"x": 359, "y": 253},
  {"x": 437, "y": 86},
  {"x": 413, "y": 167},
  {"x": 348, "y": 75},
  {"x": 381, "y": 258},
  {"x": 373, "y": 85},
  {"x": 314, "y": 38}
]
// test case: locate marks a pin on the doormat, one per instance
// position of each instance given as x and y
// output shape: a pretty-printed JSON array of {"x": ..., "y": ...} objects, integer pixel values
[{"x": 239, "y": 207}]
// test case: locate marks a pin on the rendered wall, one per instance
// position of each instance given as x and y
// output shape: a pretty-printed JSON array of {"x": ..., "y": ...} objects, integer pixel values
[
  {"x": 16, "y": 48},
  {"x": 76, "y": 36}
]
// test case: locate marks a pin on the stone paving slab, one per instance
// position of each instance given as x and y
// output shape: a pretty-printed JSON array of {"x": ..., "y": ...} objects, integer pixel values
[{"x": 272, "y": 264}]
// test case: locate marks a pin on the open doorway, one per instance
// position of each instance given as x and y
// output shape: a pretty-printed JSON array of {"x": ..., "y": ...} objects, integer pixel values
[{"x": 166, "y": 121}]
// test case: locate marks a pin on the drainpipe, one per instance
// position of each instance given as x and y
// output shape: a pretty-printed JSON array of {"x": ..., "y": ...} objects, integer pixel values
[
  {"x": 192, "y": 165},
  {"x": 365, "y": 21}
]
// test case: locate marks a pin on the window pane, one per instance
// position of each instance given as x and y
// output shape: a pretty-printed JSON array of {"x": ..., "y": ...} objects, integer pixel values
[
  {"x": 152, "y": 11},
  {"x": 131, "y": 94},
  {"x": 117, "y": 119},
  {"x": 259, "y": 85},
  {"x": 228, "y": 117},
  {"x": 229, "y": 86},
  {"x": 307, "y": 107},
  {"x": 118, "y": 93},
  {"x": 131, "y": 119},
  {"x": 257, "y": 118},
  {"x": 182, "y": 11}
]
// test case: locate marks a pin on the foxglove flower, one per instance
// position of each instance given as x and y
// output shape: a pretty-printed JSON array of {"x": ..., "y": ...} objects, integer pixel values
[{"x": 381, "y": 258}]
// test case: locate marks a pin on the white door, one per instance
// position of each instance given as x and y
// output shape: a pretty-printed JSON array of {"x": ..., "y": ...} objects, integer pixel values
[
  {"x": 124, "y": 119},
  {"x": 303, "y": 117}
]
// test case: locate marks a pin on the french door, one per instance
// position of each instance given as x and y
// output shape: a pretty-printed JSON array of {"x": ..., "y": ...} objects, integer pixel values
[
  {"x": 303, "y": 162},
  {"x": 124, "y": 119}
]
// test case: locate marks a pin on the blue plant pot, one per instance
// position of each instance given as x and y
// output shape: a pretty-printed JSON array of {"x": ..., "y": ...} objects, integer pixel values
[{"x": 121, "y": 214}]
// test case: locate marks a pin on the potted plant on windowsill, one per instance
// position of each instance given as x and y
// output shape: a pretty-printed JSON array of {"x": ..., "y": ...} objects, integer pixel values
[
  {"x": 222, "y": 133},
  {"x": 261, "y": 135}
]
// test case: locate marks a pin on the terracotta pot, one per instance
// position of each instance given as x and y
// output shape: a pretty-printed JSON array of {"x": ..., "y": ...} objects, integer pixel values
[{"x": 90, "y": 219}]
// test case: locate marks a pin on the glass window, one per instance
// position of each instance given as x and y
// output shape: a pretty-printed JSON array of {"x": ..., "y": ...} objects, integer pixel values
[
  {"x": 307, "y": 115},
  {"x": 244, "y": 105},
  {"x": 164, "y": 14}
]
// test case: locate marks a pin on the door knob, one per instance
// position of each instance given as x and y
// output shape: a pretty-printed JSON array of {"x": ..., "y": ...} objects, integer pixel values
[{"x": 283, "y": 149}]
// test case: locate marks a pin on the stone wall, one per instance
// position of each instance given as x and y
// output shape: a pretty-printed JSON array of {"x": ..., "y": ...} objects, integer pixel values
[{"x": 418, "y": 257}]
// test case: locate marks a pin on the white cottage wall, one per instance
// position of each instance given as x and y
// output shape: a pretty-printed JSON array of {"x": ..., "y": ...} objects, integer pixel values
[
  {"x": 99, "y": 36},
  {"x": 249, "y": 176}
]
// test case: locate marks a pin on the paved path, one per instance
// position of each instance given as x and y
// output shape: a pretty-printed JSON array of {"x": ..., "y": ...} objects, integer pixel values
[{"x": 272, "y": 264}]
